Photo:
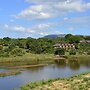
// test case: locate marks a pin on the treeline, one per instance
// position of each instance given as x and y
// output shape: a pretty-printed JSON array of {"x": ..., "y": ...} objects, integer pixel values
[{"x": 20, "y": 46}]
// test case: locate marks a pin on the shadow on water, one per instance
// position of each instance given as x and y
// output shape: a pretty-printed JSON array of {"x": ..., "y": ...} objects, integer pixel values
[
  {"x": 73, "y": 64},
  {"x": 61, "y": 63}
]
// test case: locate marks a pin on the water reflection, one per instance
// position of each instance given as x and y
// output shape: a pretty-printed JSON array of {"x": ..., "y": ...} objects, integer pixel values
[
  {"x": 85, "y": 63},
  {"x": 34, "y": 69},
  {"x": 61, "y": 63},
  {"x": 73, "y": 64}
]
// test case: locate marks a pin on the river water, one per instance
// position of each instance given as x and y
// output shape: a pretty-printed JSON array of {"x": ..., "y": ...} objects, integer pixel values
[{"x": 55, "y": 70}]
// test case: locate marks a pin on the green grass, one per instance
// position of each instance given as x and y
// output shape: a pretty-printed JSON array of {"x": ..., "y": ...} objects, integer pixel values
[
  {"x": 33, "y": 59},
  {"x": 79, "y": 57},
  {"x": 27, "y": 59}
]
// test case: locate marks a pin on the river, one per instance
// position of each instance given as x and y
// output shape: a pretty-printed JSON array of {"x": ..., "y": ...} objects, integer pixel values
[{"x": 55, "y": 70}]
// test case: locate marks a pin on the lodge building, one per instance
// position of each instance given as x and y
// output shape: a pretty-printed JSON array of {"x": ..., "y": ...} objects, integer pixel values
[
  {"x": 85, "y": 41},
  {"x": 64, "y": 45}
]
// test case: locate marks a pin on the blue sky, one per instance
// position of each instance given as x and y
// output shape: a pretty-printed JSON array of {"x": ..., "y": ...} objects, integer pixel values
[{"x": 37, "y": 18}]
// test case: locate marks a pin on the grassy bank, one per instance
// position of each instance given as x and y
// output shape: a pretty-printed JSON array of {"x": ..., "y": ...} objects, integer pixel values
[
  {"x": 78, "y": 57},
  {"x": 80, "y": 82},
  {"x": 9, "y": 73},
  {"x": 34, "y": 59},
  {"x": 27, "y": 59}
]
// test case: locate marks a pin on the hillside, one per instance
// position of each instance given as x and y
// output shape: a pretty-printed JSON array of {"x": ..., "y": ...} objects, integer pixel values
[{"x": 54, "y": 36}]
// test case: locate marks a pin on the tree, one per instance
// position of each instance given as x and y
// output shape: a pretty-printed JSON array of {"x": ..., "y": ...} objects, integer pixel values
[
  {"x": 73, "y": 39},
  {"x": 88, "y": 52},
  {"x": 17, "y": 52},
  {"x": 6, "y": 41},
  {"x": 1, "y": 47},
  {"x": 60, "y": 51},
  {"x": 87, "y": 37},
  {"x": 68, "y": 36},
  {"x": 72, "y": 52},
  {"x": 6, "y": 38}
]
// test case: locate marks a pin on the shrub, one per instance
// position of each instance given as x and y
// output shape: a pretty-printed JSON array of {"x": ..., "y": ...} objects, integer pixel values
[
  {"x": 3, "y": 54},
  {"x": 72, "y": 52},
  {"x": 60, "y": 51},
  {"x": 1, "y": 47},
  {"x": 17, "y": 52},
  {"x": 88, "y": 53}
]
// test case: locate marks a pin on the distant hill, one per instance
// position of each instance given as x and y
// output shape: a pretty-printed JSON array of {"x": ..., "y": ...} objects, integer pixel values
[{"x": 55, "y": 36}]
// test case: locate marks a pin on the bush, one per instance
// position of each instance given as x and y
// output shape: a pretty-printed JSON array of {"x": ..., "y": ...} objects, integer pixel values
[
  {"x": 17, "y": 52},
  {"x": 1, "y": 47},
  {"x": 72, "y": 52},
  {"x": 4, "y": 54},
  {"x": 60, "y": 51},
  {"x": 88, "y": 53}
]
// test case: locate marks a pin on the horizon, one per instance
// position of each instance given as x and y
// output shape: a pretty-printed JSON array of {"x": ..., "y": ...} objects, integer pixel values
[
  {"x": 40, "y": 37},
  {"x": 38, "y": 18}
]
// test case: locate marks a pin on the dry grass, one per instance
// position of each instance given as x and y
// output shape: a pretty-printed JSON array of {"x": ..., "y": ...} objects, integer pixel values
[
  {"x": 9, "y": 73},
  {"x": 81, "y": 82}
]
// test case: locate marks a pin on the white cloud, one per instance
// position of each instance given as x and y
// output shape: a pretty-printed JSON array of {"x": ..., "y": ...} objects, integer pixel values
[
  {"x": 6, "y": 26},
  {"x": 66, "y": 18},
  {"x": 84, "y": 20},
  {"x": 11, "y": 20},
  {"x": 43, "y": 34},
  {"x": 71, "y": 28},
  {"x": 17, "y": 28},
  {"x": 43, "y": 9},
  {"x": 34, "y": 12},
  {"x": 45, "y": 26},
  {"x": 38, "y": 29}
]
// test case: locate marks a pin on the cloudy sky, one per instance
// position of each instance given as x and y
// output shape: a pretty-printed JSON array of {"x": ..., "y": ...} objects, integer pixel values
[{"x": 37, "y": 18}]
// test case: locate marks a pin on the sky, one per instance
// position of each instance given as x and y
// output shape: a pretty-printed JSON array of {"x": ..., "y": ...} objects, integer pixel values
[{"x": 37, "y": 18}]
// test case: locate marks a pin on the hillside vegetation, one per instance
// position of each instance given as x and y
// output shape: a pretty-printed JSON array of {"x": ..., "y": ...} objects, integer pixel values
[{"x": 19, "y": 47}]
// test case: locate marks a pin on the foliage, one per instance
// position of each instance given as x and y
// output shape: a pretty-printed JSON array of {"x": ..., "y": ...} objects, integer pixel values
[
  {"x": 4, "y": 53},
  {"x": 73, "y": 39},
  {"x": 1, "y": 47},
  {"x": 72, "y": 52},
  {"x": 41, "y": 45},
  {"x": 60, "y": 51},
  {"x": 87, "y": 38},
  {"x": 6, "y": 41},
  {"x": 17, "y": 52},
  {"x": 88, "y": 53}
]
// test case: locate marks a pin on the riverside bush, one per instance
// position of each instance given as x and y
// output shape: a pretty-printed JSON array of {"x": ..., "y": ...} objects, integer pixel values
[
  {"x": 88, "y": 53},
  {"x": 60, "y": 51},
  {"x": 17, "y": 52},
  {"x": 72, "y": 52}
]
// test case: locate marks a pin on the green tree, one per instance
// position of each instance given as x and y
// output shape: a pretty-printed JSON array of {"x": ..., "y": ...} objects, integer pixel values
[
  {"x": 88, "y": 52},
  {"x": 73, "y": 39},
  {"x": 6, "y": 41},
  {"x": 17, "y": 52},
  {"x": 87, "y": 37},
  {"x": 68, "y": 36},
  {"x": 60, "y": 51},
  {"x": 72, "y": 52},
  {"x": 1, "y": 47}
]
